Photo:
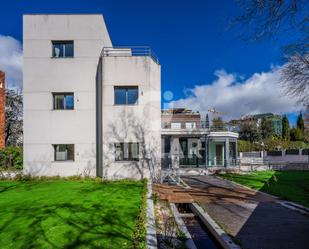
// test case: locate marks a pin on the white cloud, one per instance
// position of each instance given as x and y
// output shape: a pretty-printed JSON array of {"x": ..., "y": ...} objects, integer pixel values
[
  {"x": 234, "y": 96},
  {"x": 11, "y": 59}
]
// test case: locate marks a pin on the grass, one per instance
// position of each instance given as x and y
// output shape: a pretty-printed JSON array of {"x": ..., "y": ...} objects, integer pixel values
[
  {"x": 289, "y": 185},
  {"x": 72, "y": 214}
]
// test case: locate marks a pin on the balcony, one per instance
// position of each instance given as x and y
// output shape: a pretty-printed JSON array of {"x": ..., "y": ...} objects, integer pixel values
[
  {"x": 203, "y": 126},
  {"x": 130, "y": 52}
]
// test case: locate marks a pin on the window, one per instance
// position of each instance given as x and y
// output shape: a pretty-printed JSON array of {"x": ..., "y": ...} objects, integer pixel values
[
  {"x": 126, "y": 95},
  {"x": 63, "y": 49},
  {"x": 64, "y": 152},
  {"x": 176, "y": 125},
  {"x": 63, "y": 101},
  {"x": 127, "y": 151},
  {"x": 190, "y": 125}
]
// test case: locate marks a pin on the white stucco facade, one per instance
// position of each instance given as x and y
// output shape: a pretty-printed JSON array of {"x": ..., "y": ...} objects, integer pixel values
[
  {"x": 44, "y": 75},
  {"x": 140, "y": 123}
]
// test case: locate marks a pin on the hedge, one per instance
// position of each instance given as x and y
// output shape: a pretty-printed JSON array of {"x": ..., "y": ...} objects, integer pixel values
[
  {"x": 271, "y": 145},
  {"x": 11, "y": 158}
]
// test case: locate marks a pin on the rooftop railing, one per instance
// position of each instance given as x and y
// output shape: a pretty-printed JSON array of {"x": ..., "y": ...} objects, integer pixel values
[
  {"x": 130, "y": 51},
  {"x": 211, "y": 126}
]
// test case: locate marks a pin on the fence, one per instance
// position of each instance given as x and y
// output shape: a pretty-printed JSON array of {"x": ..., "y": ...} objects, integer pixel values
[
  {"x": 130, "y": 51},
  {"x": 284, "y": 157}
]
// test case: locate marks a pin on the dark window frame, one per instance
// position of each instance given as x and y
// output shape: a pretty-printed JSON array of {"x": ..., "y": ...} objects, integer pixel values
[
  {"x": 126, "y": 88},
  {"x": 62, "y": 42},
  {"x": 129, "y": 153},
  {"x": 65, "y": 94},
  {"x": 65, "y": 160}
]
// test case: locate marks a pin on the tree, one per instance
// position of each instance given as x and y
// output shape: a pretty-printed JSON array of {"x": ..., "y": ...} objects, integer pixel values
[
  {"x": 285, "y": 128},
  {"x": 13, "y": 118},
  {"x": 300, "y": 122},
  {"x": 249, "y": 131},
  {"x": 296, "y": 134},
  {"x": 289, "y": 18},
  {"x": 266, "y": 128},
  {"x": 207, "y": 121}
]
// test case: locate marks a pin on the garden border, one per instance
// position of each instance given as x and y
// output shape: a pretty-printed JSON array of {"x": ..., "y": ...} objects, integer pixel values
[
  {"x": 151, "y": 234},
  {"x": 182, "y": 227}
]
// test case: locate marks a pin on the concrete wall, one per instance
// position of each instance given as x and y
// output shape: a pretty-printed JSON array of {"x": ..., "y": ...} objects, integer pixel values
[
  {"x": 132, "y": 123},
  {"x": 43, "y": 75},
  {"x": 262, "y": 158}
]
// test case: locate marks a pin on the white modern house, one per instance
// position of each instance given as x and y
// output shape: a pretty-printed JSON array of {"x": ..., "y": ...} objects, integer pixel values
[
  {"x": 192, "y": 144},
  {"x": 91, "y": 108}
]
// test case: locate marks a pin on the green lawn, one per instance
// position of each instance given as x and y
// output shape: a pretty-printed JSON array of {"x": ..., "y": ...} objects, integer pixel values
[
  {"x": 70, "y": 214},
  {"x": 289, "y": 185}
]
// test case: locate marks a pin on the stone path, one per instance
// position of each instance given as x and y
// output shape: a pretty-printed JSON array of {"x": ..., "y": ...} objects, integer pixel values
[{"x": 255, "y": 219}]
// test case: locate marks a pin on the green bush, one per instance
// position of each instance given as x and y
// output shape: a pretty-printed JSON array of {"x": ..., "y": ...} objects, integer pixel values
[
  {"x": 11, "y": 158},
  {"x": 246, "y": 146},
  {"x": 270, "y": 145}
]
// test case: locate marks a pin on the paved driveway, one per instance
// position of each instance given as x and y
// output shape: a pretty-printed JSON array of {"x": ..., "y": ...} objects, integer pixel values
[{"x": 256, "y": 220}]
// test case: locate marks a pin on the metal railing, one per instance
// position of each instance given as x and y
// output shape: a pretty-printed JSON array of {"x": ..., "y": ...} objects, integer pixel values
[
  {"x": 195, "y": 162},
  {"x": 127, "y": 51},
  {"x": 215, "y": 127},
  {"x": 218, "y": 126}
]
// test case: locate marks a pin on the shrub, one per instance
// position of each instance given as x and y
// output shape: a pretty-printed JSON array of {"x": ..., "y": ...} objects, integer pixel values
[
  {"x": 271, "y": 145},
  {"x": 11, "y": 158},
  {"x": 246, "y": 146}
]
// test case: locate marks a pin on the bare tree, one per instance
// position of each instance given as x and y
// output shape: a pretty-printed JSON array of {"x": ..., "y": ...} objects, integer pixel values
[
  {"x": 282, "y": 18},
  {"x": 295, "y": 77},
  {"x": 13, "y": 118}
]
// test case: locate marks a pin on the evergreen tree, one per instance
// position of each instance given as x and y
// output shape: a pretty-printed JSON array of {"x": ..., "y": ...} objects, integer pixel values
[
  {"x": 300, "y": 122},
  {"x": 285, "y": 128},
  {"x": 296, "y": 134},
  {"x": 207, "y": 121},
  {"x": 266, "y": 128}
]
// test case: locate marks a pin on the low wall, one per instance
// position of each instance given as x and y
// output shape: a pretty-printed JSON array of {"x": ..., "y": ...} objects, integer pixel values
[
  {"x": 274, "y": 166},
  {"x": 274, "y": 157}
]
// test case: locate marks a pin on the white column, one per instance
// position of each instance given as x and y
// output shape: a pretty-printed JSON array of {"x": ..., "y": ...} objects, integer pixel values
[
  {"x": 175, "y": 152},
  {"x": 227, "y": 152},
  {"x": 206, "y": 150},
  {"x": 236, "y": 151}
]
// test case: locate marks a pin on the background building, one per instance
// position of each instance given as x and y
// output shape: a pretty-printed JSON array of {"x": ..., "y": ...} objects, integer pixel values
[
  {"x": 188, "y": 143},
  {"x": 276, "y": 121},
  {"x": 180, "y": 118}
]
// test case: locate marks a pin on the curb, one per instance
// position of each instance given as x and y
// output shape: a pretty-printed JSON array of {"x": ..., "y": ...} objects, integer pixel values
[
  {"x": 151, "y": 236},
  {"x": 294, "y": 206},
  {"x": 225, "y": 240},
  {"x": 182, "y": 227}
]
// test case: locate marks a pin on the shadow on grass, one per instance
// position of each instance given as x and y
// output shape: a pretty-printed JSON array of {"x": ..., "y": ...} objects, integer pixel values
[{"x": 67, "y": 223}]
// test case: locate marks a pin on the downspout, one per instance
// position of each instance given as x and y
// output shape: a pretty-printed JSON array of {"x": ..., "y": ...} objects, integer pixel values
[{"x": 99, "y": 120}]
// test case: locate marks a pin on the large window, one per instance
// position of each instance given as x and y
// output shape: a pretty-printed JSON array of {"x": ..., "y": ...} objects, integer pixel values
[
  {"x": 126, "y": 95},
  {"x": 176, "y": 125},
  {"x": 127, "y": 151},
  {"x": 190, "y": 125},
  {"x": 64, "y": 152},
  {"x": 63, "y": 49},
  {"x": 63, "y": 101}
]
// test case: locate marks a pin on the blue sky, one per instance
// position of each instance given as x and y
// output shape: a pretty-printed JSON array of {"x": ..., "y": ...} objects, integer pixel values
[{"x": 191, "y": 38}]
